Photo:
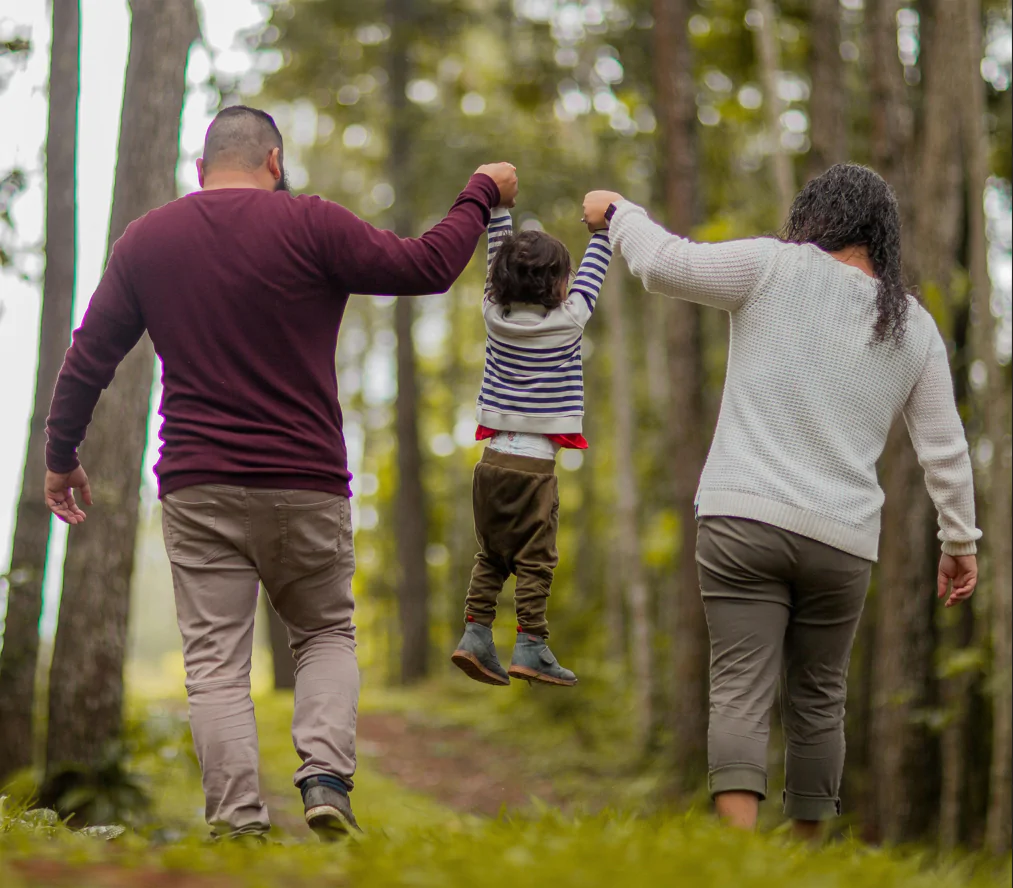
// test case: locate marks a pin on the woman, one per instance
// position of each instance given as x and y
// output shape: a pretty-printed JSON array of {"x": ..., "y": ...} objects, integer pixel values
[{"x": 826, "y": 351}]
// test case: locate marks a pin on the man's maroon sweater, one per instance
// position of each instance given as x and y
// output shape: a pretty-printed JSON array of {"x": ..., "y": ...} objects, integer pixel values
[{"x": 242, "y": 292}]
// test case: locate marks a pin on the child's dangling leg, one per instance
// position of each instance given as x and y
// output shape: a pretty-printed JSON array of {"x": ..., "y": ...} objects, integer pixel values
[
  {"x": 476, "y": 654},
  {"x": 534, "y": 561}
]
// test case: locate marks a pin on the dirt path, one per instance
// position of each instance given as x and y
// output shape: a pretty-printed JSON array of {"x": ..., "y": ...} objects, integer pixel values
[{"x": 453, "y": 765}]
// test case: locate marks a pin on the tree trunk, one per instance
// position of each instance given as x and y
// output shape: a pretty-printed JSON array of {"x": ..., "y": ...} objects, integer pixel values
[
  {"x": 31, "y": 528},
  {"x": 993, "y": 408},
  {"x": 282, "y": 661},
  {"x": 827, "y": 100},
  {"x": 627, "y": 539},
  {"x": 86, "y": 680},
  {"x": 902, "y": 660},
  {"x": 905, "y": 800},
  {"x": 676, "y": 110},
  {"x": 768, "y": 54},
  {"x": 411, "y": 528},
  {"x": 889, "y": 104}
]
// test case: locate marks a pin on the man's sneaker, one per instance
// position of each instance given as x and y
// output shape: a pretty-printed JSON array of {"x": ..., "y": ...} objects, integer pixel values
[
  {"x": 533, "y": 661},
  {"x": 476, "y": 656},
  {"x": 328, "y": 811}
]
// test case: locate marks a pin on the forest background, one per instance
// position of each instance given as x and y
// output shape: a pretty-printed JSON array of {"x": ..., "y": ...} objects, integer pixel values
[{"x": 712, "y": 114}]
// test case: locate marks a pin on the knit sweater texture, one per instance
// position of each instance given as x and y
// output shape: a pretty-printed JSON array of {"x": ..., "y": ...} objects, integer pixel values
[
  {"x": 809, "y": 398},
  {"x": 533, "y": 379}
]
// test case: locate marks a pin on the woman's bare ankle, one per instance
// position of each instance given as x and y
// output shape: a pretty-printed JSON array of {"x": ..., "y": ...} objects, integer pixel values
[{"x": 738, "y": 810}]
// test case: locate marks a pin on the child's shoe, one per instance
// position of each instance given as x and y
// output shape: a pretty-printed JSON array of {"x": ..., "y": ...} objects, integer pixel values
[
  {"x": 476, "y": 656},
  {"x": 533, "y": 661}
]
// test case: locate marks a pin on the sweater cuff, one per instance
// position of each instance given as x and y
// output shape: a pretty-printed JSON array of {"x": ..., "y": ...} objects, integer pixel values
[
  {"x": 482, "y": 186},
  {"x": 958, "y": 549},
  {"x": 623, "y": 209},
  {"x": 59, "y": 461}
]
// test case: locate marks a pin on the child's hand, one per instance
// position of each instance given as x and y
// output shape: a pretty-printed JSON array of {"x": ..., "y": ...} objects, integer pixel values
[
  {"x": 505, "y": 176},
  {"x": 595, "y": 205}
]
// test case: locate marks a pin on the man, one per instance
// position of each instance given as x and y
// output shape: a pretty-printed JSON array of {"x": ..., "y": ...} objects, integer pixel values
[{"x": 242, "y": 288}]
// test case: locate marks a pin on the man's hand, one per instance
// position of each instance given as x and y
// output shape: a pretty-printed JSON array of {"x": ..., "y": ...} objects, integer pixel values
[
  {"x": 505, "y": 176},
  {"x": 60, "y": 495},
  {"x": 962, "y": 572},
  {"x": 595, "y": 205}
]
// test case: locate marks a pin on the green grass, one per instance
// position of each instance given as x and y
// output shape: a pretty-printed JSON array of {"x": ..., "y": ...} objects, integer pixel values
[{"x": 411, "y": 840}]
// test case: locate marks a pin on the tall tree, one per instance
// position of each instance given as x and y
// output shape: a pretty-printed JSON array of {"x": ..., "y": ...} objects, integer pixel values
[
  {"x": 828, "y": 130},
  {"x": 412, "y": 526},
  {"x": 86, "y": 680},
  {"x": 906, "y": 801},
  {"x": 631, "y": 569},
  {"x": 282, "y": 661},
  {"x": 675, "y": 94},
  {"x": 993, "y": 407},
  {"x": 31, "y": 529},
  {"x": 768, "y": 56}
]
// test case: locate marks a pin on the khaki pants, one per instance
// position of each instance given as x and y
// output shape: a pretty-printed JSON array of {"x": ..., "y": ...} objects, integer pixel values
[
  {"x": 221, "y": 541},
  {"x": 779, "y": 607},
  {"x": 516, "y": 502}
]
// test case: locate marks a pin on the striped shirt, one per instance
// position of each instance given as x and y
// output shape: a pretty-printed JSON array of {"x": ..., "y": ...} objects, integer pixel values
[{"x": 533, "y": 380}]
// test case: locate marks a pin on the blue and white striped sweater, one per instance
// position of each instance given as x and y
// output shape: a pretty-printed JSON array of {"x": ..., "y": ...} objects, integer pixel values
[{"x": 533, "y": 380}]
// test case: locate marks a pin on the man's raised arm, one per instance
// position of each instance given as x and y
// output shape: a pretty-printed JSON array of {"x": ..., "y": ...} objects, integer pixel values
[{"x": 371, "y": 261}]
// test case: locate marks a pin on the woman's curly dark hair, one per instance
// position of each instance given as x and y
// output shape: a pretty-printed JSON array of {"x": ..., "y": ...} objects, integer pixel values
[
  {"x": 853, "y": 206},
  {"x": 530, "y": 267}
]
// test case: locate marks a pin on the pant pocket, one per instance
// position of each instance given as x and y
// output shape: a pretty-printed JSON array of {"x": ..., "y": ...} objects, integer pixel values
[
  {"x": 189, "y": 531},
  {"x": 311, "y": 532}
]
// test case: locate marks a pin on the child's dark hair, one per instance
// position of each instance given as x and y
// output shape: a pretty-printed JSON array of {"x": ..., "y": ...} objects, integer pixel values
[{"x": 530, "y": 267}]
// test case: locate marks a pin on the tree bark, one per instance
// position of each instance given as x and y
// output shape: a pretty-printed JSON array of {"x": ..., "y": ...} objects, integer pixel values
[
  {"x": 828, "y": 132},
  {"x": 993, "y": 407},
  {"x": 676, "y": 110},
  {"x": 903, "y": 650},
  {"x": 412, "y": 526},
  {"x": 768, "y": 54},
  {"x": 282, "y": 661},
  {"x": 18, "y": 659},
  {"x": 905, "y": 801},
  {"x": 631, "y": 568},
  {"x": 86, "y": 680}
]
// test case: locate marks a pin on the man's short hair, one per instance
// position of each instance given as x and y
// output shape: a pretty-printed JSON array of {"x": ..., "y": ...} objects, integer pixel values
[{"x": 241, "y": 137}]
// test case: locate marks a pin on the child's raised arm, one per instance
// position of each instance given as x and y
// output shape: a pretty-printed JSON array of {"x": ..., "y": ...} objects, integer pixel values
[
  {"x": 501, "y": 226},
  {"x": 590, "y": 276}
]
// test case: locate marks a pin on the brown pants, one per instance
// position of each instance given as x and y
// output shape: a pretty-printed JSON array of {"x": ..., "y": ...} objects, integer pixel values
[
  {"x": 516, "y": 501},
  {"x": 221, "y": 541},
  {"x": 779, "y": 606}
]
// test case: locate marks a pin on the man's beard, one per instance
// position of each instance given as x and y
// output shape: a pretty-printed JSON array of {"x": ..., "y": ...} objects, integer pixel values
[{"x": 282, "y": 183}]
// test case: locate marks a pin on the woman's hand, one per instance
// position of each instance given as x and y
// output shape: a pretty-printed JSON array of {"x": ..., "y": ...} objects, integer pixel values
[
  {"x": 595, "y": 205},
  {"x": 962, "y": 572}
]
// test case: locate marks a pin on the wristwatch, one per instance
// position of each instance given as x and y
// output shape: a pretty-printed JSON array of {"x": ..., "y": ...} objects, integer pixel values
[{"x": 610, "y": 212}]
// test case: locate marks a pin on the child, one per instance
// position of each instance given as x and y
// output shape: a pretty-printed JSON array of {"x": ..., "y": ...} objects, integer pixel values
[{"x": 530, "y": 405}]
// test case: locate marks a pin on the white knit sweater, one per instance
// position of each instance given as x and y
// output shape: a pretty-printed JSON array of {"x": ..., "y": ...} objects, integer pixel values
[{"x": 809, "y": 399}]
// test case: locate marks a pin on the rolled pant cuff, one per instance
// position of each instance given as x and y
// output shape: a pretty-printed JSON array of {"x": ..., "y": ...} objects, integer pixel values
[
  {"x": 481, "y": 619},
  {"x": 738, "y": 778},
  {"x": 799, "y": 807}
]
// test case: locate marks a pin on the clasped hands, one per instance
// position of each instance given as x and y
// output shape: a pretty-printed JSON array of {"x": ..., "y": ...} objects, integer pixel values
[{"x": 596, "y": 203}]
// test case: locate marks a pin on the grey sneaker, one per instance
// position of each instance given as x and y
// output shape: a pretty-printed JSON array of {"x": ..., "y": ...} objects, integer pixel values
[
  {"x": 328, "y": 812},
  {"x": 476, "y": 656},
  {"x": 533, "y": 661}
]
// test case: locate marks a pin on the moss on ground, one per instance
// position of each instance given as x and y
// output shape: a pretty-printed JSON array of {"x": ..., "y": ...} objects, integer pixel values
[{"x": 411, "y": 840}]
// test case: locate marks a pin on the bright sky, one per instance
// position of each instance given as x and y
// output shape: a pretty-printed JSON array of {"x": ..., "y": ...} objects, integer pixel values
[{"x": 105, "y": 26}]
